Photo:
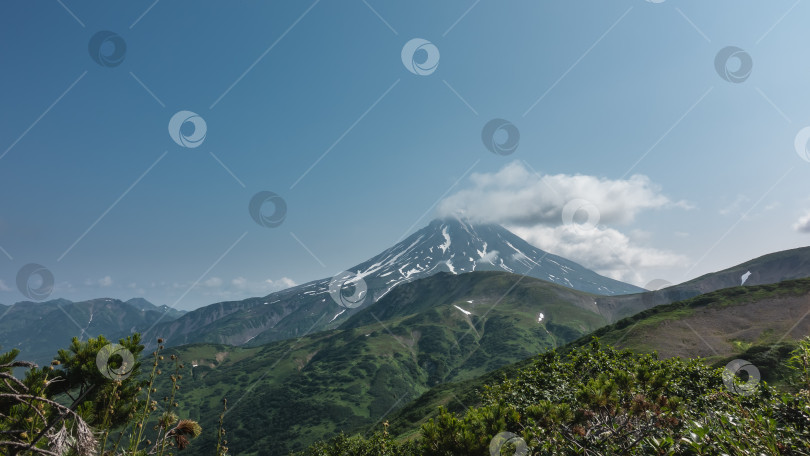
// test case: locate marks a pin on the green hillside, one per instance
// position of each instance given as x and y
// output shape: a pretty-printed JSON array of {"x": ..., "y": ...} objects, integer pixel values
[
  {"x": 739, "y": 322},
  {"x": 445, "y": 328},
  {"x": 597, "y": 400}
]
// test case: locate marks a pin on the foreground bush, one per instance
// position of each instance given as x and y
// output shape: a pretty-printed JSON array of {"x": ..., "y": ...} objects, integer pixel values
[
  {"x": 92, "y": 401},
  {"x": 600, "y": 401}
]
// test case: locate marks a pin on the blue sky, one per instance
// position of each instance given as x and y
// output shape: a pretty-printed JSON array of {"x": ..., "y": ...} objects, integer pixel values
[{"x": 95, "y": 189}]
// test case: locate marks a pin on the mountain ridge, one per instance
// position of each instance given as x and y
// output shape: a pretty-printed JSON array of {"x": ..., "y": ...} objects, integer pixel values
[
  {"x": 767, "y": 269},
  {"x": 38, "y": 329},
  {"x": 444, "y": 245}
]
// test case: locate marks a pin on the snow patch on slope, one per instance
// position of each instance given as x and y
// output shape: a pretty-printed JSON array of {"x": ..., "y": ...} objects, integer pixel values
[
  {"x": 446, "y": 244},
  {"x": 466, "y": 312},
  {"x": 337, "y": 315}
]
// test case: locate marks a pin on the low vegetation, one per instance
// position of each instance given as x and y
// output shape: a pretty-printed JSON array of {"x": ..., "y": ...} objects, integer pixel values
[
  {"x": 94, "y": 400},
  {"x": 600, "y": 401},
  {"x": 593, "y": 400}
]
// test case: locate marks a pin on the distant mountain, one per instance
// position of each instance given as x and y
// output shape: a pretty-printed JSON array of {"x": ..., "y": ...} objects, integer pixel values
[
  {"x": 39, "y": 329},
  {"x": 446, "y": 327},
  {"x": 767, "y": 269},
  {"x": 449, "y": 245},
  {"x": 143, "y": 304}
]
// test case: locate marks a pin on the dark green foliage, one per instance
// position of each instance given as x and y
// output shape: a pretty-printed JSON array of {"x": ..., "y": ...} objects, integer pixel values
[
  {"x": 379, "y": 444},
  {"x": 599, "y": 401},
  {"x": 48, "y": 404},
  {"x": 771, "y": 361},
  {"x": 565, "y": 333},
  {"x": 79, "y": 377},
  {"x": 75, "y": 409}
]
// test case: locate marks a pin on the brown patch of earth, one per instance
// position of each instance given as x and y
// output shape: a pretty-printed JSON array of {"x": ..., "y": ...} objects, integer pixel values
[{"x": 710, "y": 332}]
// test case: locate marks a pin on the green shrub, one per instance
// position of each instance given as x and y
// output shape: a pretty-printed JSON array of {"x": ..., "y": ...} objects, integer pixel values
[{"x": 601, "y": 401}]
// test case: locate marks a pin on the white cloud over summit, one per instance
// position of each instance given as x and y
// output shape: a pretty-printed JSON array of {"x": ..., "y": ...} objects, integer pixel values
[
  {"x": 516, "y": 195},
  {"x": 531, "y": 205}
]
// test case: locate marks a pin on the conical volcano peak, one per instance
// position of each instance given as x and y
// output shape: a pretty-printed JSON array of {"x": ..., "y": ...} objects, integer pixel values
[{"x": 456, "y": 245}]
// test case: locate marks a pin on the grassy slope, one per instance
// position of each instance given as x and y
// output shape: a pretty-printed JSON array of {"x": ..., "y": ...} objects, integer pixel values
[
  {"x": 718, "y": 324},
  {"x": 288, "y": 394}
]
